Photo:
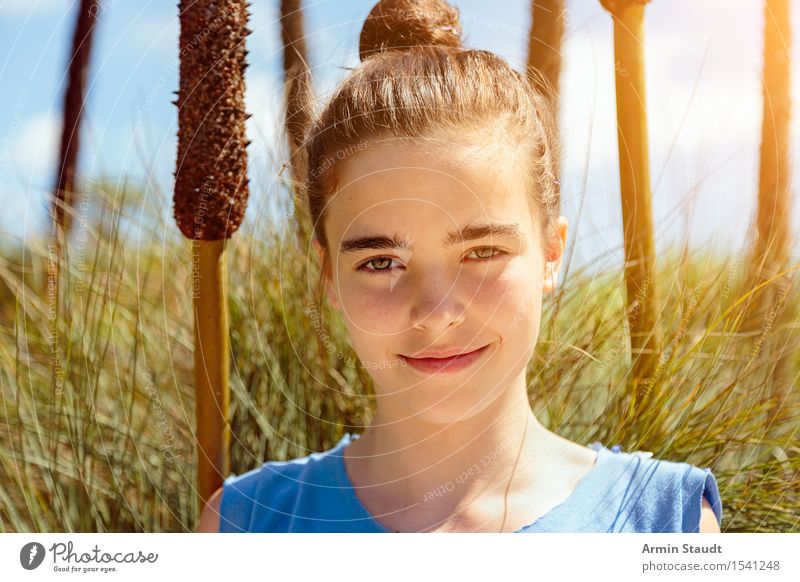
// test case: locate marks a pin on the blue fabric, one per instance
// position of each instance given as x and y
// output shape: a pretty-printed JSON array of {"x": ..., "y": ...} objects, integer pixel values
[{"x": 624, "y": 492}]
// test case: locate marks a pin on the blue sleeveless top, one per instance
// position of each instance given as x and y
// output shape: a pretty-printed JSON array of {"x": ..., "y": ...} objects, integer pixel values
[{"x": 623, "y": 492}]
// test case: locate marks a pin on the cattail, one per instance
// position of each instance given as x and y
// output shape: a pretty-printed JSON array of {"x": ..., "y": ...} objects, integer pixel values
[
  {"x": 766, "y": 311},
  {"x": 544, "y": 48},
  {"x": 544, "y": 63},
  {"x": 211, "y": 190},
  {"x": 74, "y": 102},
  {"x": 63, "y": 199},
  {"x": 773, "y": 239},
  {"x": 299, "y": 106},
  {"x": 640, "y": 282},
  {"x": 211, "y": 185},
  {"x": 69, "y": 147}
]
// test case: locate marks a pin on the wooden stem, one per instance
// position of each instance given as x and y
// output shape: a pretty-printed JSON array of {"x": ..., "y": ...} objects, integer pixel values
[
  {"x": 211, "y": 364},
  {"x": 642, "y": 297}
]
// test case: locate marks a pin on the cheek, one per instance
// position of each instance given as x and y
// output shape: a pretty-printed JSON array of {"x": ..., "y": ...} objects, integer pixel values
[
  {"x": 373, "y": 307},
  {"x": 511, "y": 302},
  {"x": 526, "y": 318}
]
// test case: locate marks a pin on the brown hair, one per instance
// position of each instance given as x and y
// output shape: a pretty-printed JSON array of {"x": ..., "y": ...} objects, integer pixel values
[{"x": 415, "y": 79}]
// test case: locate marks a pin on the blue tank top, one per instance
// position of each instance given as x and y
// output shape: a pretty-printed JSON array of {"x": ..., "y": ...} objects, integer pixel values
[{"x": 623, "y": 492}]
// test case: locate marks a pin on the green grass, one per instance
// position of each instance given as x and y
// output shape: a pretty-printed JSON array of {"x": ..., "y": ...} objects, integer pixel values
[{"x": 103, "y": 440}]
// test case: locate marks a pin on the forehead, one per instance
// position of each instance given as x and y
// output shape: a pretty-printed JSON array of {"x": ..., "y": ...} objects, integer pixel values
[{"x": 398, "y": 184}]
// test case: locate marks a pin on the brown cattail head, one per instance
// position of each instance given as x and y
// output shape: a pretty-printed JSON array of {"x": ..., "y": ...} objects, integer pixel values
[{"x": 211, "y": 185}]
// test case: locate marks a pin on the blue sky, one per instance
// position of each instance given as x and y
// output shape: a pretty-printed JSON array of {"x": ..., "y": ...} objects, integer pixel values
[{"x": 704, "y": 103}]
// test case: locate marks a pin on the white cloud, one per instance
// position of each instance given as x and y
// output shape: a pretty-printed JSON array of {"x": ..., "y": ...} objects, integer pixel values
[
  {"x": 27, "y": 173},
  {"x": 35, "y": 149}
]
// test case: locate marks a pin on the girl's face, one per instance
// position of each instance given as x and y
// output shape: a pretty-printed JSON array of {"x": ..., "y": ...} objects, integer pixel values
[{"x": 436, "y": 249}]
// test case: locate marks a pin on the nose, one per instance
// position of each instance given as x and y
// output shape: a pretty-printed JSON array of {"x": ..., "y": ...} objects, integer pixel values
[{"x": 437, "y": 303}]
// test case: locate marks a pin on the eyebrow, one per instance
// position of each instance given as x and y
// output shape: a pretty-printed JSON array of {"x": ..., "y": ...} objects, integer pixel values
[{"x": 469, "y": 232}]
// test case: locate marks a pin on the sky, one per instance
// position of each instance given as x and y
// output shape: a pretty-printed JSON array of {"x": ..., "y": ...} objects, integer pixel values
[{"x": 703, "y": 93}]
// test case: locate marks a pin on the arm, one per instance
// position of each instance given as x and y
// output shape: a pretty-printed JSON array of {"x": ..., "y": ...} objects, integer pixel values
[
  {"x": 209, "y": 517},
  {"x": 708, "y": 520}
]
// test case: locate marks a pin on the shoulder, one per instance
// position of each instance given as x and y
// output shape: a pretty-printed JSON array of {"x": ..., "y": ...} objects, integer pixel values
[
  {"x": 708, "y": 518},
  {"x": 267, "y": 498},
  {"x": 658, "y": 495},
  {"x": 248, "y": 497},
  {"x": 209, "y": 517}
]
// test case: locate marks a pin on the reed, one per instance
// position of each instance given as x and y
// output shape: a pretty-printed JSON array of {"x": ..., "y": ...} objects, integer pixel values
[
  {"x": 73, "y": 108},
  {"x": 210, "y": 199},
  {"x": 642, "y": 295},
  {"x": 111, "y": 438},
  {"x": 544, "y": 48},
  {"x": 770, "y": 255},
  {"x": 299, "y": 96}
]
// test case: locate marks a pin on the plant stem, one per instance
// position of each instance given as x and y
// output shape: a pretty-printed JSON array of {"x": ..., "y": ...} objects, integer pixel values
[
  {"x": 211, "y": 363},
  {"x": 640, "y": 282}
]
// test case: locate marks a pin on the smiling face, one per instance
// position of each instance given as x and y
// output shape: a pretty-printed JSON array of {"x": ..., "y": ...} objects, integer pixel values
[{"x": 435, "y": 247}]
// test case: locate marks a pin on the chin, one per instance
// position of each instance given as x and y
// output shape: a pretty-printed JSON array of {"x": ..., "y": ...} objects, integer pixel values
[{"x": 439, "y": 402}]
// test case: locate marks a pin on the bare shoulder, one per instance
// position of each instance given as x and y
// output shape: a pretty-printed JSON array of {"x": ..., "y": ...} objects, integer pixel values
[
  {"x": 708, "y": 520},
  {"x": 581, "y": 458},
  {"x": 209, "y": 517}
]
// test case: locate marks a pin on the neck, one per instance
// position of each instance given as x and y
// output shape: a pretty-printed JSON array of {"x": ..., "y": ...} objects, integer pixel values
[{"x": 415, "y": 462}]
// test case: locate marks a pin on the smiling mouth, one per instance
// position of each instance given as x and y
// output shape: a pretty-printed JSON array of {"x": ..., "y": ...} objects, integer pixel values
[
  {"x": 457, "y": 355},
  {"x": 446, "y": 364}
]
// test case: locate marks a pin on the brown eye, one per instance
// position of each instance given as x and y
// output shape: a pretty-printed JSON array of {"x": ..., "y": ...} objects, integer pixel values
[
  {"x": 378, "y": 265},
  {"x": 381, "y": 263},
  {"x": 487, "y": 252}
]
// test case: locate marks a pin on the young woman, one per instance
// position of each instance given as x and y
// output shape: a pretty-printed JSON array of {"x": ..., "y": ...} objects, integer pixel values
[{"x": 431, "y": 187}]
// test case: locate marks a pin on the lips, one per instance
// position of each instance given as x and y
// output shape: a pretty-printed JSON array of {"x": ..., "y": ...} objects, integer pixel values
[
  {"x": 441, "y": 354},
  {"x": 447, "y": 361}
]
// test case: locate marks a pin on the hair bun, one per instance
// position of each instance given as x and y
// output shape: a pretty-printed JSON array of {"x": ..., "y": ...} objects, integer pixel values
[{"x": 408, "y": 24}]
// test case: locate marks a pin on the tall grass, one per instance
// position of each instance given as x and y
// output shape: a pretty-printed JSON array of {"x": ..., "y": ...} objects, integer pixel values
[{"x": 96, "y": 425}]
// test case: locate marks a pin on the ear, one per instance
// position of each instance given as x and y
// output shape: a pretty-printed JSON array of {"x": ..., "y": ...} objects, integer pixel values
[
  {"x": 326, "y": 274},
  {"x": 554, "y": 254}
]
